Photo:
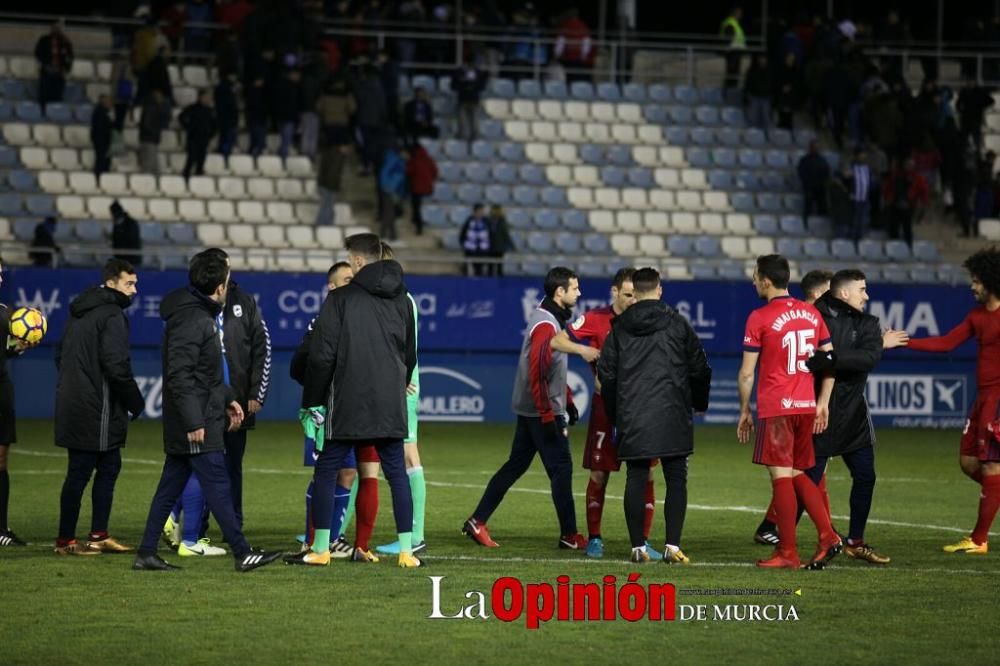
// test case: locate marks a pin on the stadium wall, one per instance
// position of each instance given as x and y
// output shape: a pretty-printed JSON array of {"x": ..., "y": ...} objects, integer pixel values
[{"x": 470, "y": 334}]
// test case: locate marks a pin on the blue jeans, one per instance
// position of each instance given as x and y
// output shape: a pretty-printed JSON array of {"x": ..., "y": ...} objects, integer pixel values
[
  {"x": 325, "y": 213},
  {"x": 861, "y": 220},
  {"x": 287, "y": 134},
  {"x": 759, "y": 113}
]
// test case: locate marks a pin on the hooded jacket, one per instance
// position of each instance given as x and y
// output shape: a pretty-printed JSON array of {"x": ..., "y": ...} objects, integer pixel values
[
  {"x": 95, "y": 390},
  {"x": 857, "y": 342},
  {"x": 653, "y": 374},
  {"x": 248, "y": 350},
  {"x": 362, "y": 354},
  {"x": 194, "y": 395}
]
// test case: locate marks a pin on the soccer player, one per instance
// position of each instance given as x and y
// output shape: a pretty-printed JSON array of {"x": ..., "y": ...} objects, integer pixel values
[
  {"x": 95, "y": 393},
  {"x": 783, "y": 335},
  {"x": 8, "y": 422},
  {"x": 585, "y": 336},
  {"x": 542, "y": 403},
  {"x": 339, "y": 275},
  {"x": 979, "y": 452},
  {"x": 654, "y": 375},
  {"x": 198, "y": 407}
]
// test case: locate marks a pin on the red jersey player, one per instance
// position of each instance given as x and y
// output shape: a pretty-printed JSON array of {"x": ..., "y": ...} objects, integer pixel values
[
  {"x": 783, "y": 335},
  {"x": 590, "y": 330},
  {"x": 979, "y": 453}
]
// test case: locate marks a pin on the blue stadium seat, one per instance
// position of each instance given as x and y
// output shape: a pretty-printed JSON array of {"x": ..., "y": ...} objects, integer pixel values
[
  {"x": 64, "y": 233},
  {"x": 698, "y": 158},
  {"x": 765, "y": 225},
  {"x": 28, "y": 112},
  {"x": 575, "y": 220},
  {"x": 6, "y": 112},
  {"x": 58, "y": 113},
  {"x": 457, "y": 215},
  {"x": 450, "y": 239},
  {"x": 793, "y": 202},
  {"x": 24, "y": 229},
  {"x": 895, "y": 274},
  {"x": 13, "y": 89},
  {"x": 556, "y": 89},
  {"x": 433, "y": 216},
  {"x": 443, "y": 106},
  {"x": 482, "y": 150},
  {"x": 641, "y": 177},
  {"x": 747, "y": 180},
  {"x": 729, "y": 136},
  {"x": 742, "y": 202},
  {"x": 504, "y": 173},
  {"x": 450, "y": 172},
  {"x": 682, "y": 115},
  {"x": 10, "y": 204},
  {"x": 870, "y": 250},
  {"x": 750, "y": 158},
  {"x": 713, "y": 96},
  {"x": 502, "y": 88},
  {"x": 428, "y": 83},
  {"x": 769, "y": 203},
  {"x": 590, "y": 268},
  {"x": 754, "y": 137},
  {"x": 592, "y": 154},
  {"x": 568, "y": 243},
  {"x": 529, "y": 88},
  {"x": 456, "y": 150},
  {"x": 444, "y": 85},
  {"x": 525, "y": 195},
  {"x": 444, "y": 193},
  {"x": 554, "y": 197},
  {"x": 534, "y": 268},
  {"x": 478, "y": 172},
  {"x": 596, "y": 243},
  {"x": 724, "y": 157},
  {"x": 686, "y": 95},
  {"x": 470, "y": 193},
  {"x": 660, "y": 93},
  {"x": 678, "y": 136},
  {"x": 803, "y": 137},
  {"x": 780, "y": 137},
  {"x": 733, "y": 117},
  {"x": 732, "y": 271},
  {"x": 790, "y": 247},
  {"x": 90, "y": 231},
  {"x": 720, "y": 179},
  {"x": 681, "y": 246},
  {"x": 656, "y": 114},
  {"x": 83, "y": 112},
  {"x": 769, "y": 180},
  {"x": 791, "y": 225},
  {"x": 820, "y": 227},
  {"x": 532, "y": 174},
  {"x": 152, "y": 233},
  {"x": 925, "y": 251},
  {"x": 707, "y": 115},
  {"x": 620, "y": 154},
  {"x": 703, "y": 136},
  {"x": 491, "y": 129},
  {"x": 496, "y": 195},
  {"x": 702, "y": 271},
  {"x": 540, "y": 242},
  {"x": 634, "y": 92},
  {"x": 816, "y": 248},
  {"x": 609, "y": 92},
  {"x": 613, "y": 176},
  {"x": 518, "y": 218},
  {"x": 776, "y": 159},
  {"x": 546, "y": 219},
  {"x": 582, "y": 90},
  {"x": 433, "y": 148},
  {"x": 511, "y": 151},
  {"x": 843, "y": 249},
  {"x": 181, "y": 233},
  {"x": 21, "y": 180},
  {"x": 40, "y": 204},
  {"x": 708, "y": 246}
]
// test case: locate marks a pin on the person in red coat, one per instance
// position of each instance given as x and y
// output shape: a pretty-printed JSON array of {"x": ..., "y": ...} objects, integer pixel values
[
  {"x": 421, "y": 171},
  {"x": 904, "y": 192}
]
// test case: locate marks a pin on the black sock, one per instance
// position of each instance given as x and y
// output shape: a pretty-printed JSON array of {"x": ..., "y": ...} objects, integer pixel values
[
  {"x": 635, "y": 499},
  {"x": 766, "y": 526},
  {"x": 4, "y": 497}
]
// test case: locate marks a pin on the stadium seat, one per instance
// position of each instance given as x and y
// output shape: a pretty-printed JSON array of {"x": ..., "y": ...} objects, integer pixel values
[
  {"x": 596, "y": 244},
  {"x": 271, "y": 236},
  {"x": 628, "y": 221},
  {"x": 843, "y": 249},
  {"x": 708, "y": 246},
  {"x": 532, "y": 174},
  {"x": 504, "y": 173},
  {"x": 685, "y": 95},
  {"x": 816, "y": 248},
  {"x": 735, "y": 247},
  {"x": 712, "y": 223},
  {"x": 790, "y": 247},
  {"x": 546, "y": 219},
  {"x": 699, "y": 158},
  {"x": 641, "y": 177},
  {"x": 630, "y": 113},
  {"x": 684, "y": 222},
  {"x": 554, "y": 197},
  {"x": 211, "y": 235},
  {"x": 657, "y": 221},
  {"x": 497, "y": 195},
  {"x": 681, "y": 246},
  {"x": 232, "y": 188},
  {"x": 580, "y": 197},
  {"x": 89, "y": 231},
  {"x": 651, "y": 245},
  {"x": 203, "y": 187},
  {"x": 760, "y": 246},
  {"x": 270, "y": 165},
  {"x": 222, "y": 211},
  {"x": 502, "y": 88},
  {"x": 539, "y": 153},
  {"x": 791, "y": 225},
  {"x": 282, "y": 212},
  {"x": 739, "y": 223},
  {"x": 871, "y": 250},
  {"x": 251, "y": 212},
  {"x": 575, "y": 220},
  {"x": 897, "y": 250},
  {"x": 241, "y": 235},
  {"x": 529, "y": 88},
  {"x": 927, "y": 251}
]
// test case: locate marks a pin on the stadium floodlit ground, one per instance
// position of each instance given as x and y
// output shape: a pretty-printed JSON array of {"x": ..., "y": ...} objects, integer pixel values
[{"x": 925, "y": 607}]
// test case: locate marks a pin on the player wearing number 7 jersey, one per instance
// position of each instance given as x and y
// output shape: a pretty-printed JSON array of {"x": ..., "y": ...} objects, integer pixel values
[{"x": 782, "y": 335}]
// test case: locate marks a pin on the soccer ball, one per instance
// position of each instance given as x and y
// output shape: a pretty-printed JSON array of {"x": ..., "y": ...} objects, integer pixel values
[{"x": 28, "y": 325}]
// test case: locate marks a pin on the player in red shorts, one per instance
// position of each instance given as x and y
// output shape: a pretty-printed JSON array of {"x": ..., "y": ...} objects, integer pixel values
[
  {"x": 586, "y": 337},
  {"x": 783, "y": 335},
  {"x": 979, "y": 454}
]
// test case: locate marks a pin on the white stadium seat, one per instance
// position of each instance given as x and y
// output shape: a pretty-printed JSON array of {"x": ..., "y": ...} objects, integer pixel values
[
  {"x": 67, "y": 159},
  {"x": 735, "y": 247},
  {"x": 99, "y": 207},
  {"x": 538, "y": 152},
  {"x": 712, "y": 223},
  {"x": 271, "y": 235},
  {"x": 497, "y": 108},
  {"x": 17, "y": 134},
  {"x": 624, "y": 244},
  {"x": 289, "y": 188},
  {"x": 635, "y": 197},
  {"x": 48, "y": 135},
  {"x": 36, "y": 158},
  {"x": 543, "y": 130},
  {"x": 645, "y": 156},
  {"x": 115, "y": 184},
  {"x": 579, "y": 111},
  {"x": 629, "y": 220},
  {"x": 518, "y": 130},
  {"x": 222, "y": 211},
  {"x": 270, "y": 165},
  {"x": 657, "y": 221},
  {"x": 550, "y": 109},
  {"x": 232, "y": 188},
  {"x": 760, "y": 245},
  {"x": 174, "y": 186},
  {"x": 298, "y": 166},
  {"x": 281, "y": 212},
  {"x": 623, "y": 133},
  {"x": 565, "y": 153},
  {"x": 319, "y": 260},
  {"x": 586, "y": 175},
  {"x": 71, "y": 207},
  {"x": 559, "y": 175},
  {"x": 689, "y": 200},
  {"x": 212, "y": 235},
  {"x": 651, "y": 244},
  {"x": 242, "y": 235},
  {"x": 523, "y": 109},
  {"x": 259, "y": 259},
  {"x": 144, "y": 184},
  {"x": 739, "y": 223},
  {"x": 76, "y": 136},
  {"x": 305, "y": 212},
  {"x": 650, "y": 134},
  {"x": 301, "y": 236},
  {"x": 134, "y": 205},
  {"x": 191, "y": 210},
  {"x": 289, "y": 259},
  {"x": 260, "y": 188},
  {"x": 329, "y": 237},
  {"x": 694, "y": 179},
  {"x": 667, "y": 178},
  {"x": 597, "y": 132},
  {"x": 83, "y": 182},
  {"x": 603, "y": 112},
  {"x": 251, "y": 211},
  {"x": 242, "y": 165},
  {"x": 162, "y": 210},
  {"x": 570, "y": 132},
  {"x": 717, "y": 201},
  {"x": 672, "y": 156},
  {"x": 662, "y": 199},
  {"x": 602, "y": 220},
  {"x": 53, "y": 181},
  {"x": 630, "y": 113},
  {"x": 341, "y": 211},
  {"x": 684, "y": 223}
]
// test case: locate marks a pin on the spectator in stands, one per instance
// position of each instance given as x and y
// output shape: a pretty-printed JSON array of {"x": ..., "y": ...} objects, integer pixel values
[
  {"x": 146, "y": 43},
  {"x": 757, "y": 93},
  {"x": 788, "y": 92},
  {"x": 410, "y": 13},
  {"x": 501, "y": 241},
  {"x": 813, "y": 171},
  {"x": 126, "y": 243},
  {"x": 736, "y": 43},
  {"x": 332, "y": 154},
  {"x": 197, "y": 37},
  {"x": 392, "y": 188},
  {"x": 418, "y": 117},
  {"x": 468, "y": 84},
  {"x": 574, "y": 48},
  {"x": 389, "y": 72},
  {"x": 839, "y": 203},
  {"x": 859, "y": 185},
  {"x": 101, "y": 128},
  {"x": 54, "y": 54},
  {"x": 173, "y": 19},
  {"x": 286, "y": 105},
  {"x": 984, "y": 201},
  {"x": 525, "y": 50},
  {"x": 963, "y": 185},
  {"x": 255, "y": 111},
  {"x": 229, "y": 55},
  {"x": 335, "y": 108},
  {"x": 156, "y": 76},
  {"x": 973, "y": 100},
  {"x": 123, "y": 85},
  {"x": 314, "y": 76},
  {"x": 45, "y": 241},
  {"x": 232, "y": 13},
  {"x": 198, "y": 122},
  {"x": 155, "y": 118},
  {"x": 371, "y": 117},
  {"x": 421, "y": 171},
  {"x": 475, "y": 240},
  {"x": 905, "y": 194},
  {"x": 227, "y": 113}
]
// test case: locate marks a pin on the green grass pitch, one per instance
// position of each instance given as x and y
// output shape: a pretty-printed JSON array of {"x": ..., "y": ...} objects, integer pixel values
[{"x": 925, "y": 607}]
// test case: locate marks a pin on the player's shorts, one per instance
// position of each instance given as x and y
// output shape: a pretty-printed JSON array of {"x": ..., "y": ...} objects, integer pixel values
[
  {"x": 785, "y": 441},
  {"x": 600, "y": 453},
  {"x": 977, "y": 440},
  {"x": 412, "y": 402},
  {"x": 310, "y": 454},
  {"x": 8, "y": 420}
]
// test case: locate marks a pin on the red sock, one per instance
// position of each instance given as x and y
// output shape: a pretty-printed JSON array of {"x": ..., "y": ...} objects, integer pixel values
[
  {"x": 772, "y": 513},
  {"x": 650, "y": 508},
  {"x": 595, "y": 507},
  {"x": 97, "y": 536},
  {"x": 784, "y": 506},
  {"x": 811, "y": 498},
  {"x": 826, "y": 498},
  {"x": 989, "y": 502},
  {"x": 366, "y": 509}
]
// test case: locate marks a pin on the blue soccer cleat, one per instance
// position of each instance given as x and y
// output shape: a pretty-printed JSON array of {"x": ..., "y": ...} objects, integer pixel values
[
  {"x": 654, "y": 554},
  {"x": 388, "y": 549},
  {"x": 595, "y": 548}
]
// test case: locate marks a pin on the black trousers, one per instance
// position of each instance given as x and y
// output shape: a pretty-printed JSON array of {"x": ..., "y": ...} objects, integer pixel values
[
  {"x": 236, "y": 446},
  {"x": 80, "y": 467},
  {"x": 529, "y": 439},
  {"x": 861, "y": 464},
  {"x": 416, "y": 215},
  {"x": 210, "y": 468},
  {"x": 901, "y": 220},
  {"x": 674, "y": 505},
  {"x": 195, "y": 162}
]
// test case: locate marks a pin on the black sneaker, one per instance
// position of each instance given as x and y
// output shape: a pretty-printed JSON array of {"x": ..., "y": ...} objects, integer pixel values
[
  {"x": 256, "y": 558},
  {"x": 8, "y": 538},
  {"x": 153, "y": 563},
  {"x": 419, "y": 547},
  {"x": 766, "y": 538}
]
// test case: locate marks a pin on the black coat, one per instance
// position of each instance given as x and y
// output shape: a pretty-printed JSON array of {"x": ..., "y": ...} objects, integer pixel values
[
  {"x": 362, "y": 355},
  {"x": 101, "y": 126},
  {"x": 857, "y": 344},
  {"x": 248, "y": 349},
  {"x": 43, "y": 239},
  {"x": 654, "y": 375},
  {"x": 95, "y": 391},
  {"x": 126, "y": 240},
  {"x": 300, "y": 359},
  {"x": 198, "y": 122},
  {"x": 226, "y": 109},
  {"x": 194, "y": 395}
]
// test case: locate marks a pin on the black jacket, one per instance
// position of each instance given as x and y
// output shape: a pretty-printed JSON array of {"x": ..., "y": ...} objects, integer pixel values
[
  {"x": 198, "y": 122},
  {"x": 857, "y": 344},
  {"x": 194, "y": 395},
  {"x": 227, "y": 111},
  {"x": 362, "y": 354},
  {"x": 101, "y": 126},
  {"x": 126, "y": 240},
  {"x": 96, "y": 390},
  {"x": 300, "y": 359},
  {"x": 43, "y": 239},
  {"x": 248, "y": 349},
  {"x": 653, "y": 374}
]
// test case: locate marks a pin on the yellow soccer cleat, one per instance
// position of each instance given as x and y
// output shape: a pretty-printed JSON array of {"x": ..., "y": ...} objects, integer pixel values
[
  {"x": 967, "y": 546},
  {"x": 365, "y": 556},
  {"x": 408, "y": 561},
  {"x": 867, "y": 553},
  {"x": 109, "y": 544},
  {"x": 172, "y": 533},
  {"x": 674, "y": 556},
  {"x": 308, "y": 557}
]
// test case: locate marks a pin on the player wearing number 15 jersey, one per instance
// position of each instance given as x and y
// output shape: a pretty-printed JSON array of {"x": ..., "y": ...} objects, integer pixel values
[{"x": 782, "y": 335}]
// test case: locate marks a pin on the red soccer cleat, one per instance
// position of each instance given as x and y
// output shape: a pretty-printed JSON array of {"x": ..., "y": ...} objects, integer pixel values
[
  {"x": 479, "y": 533},
  {"x": 825, "y": 551},
  {"x": 779, "y": 561},
  {"x": 575, "y": 541}
]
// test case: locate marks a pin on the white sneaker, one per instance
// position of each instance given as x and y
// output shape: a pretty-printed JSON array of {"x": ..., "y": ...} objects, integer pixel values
[
  {"x": 340, "y": 549},
  {"x": 204, "y": 547}
]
